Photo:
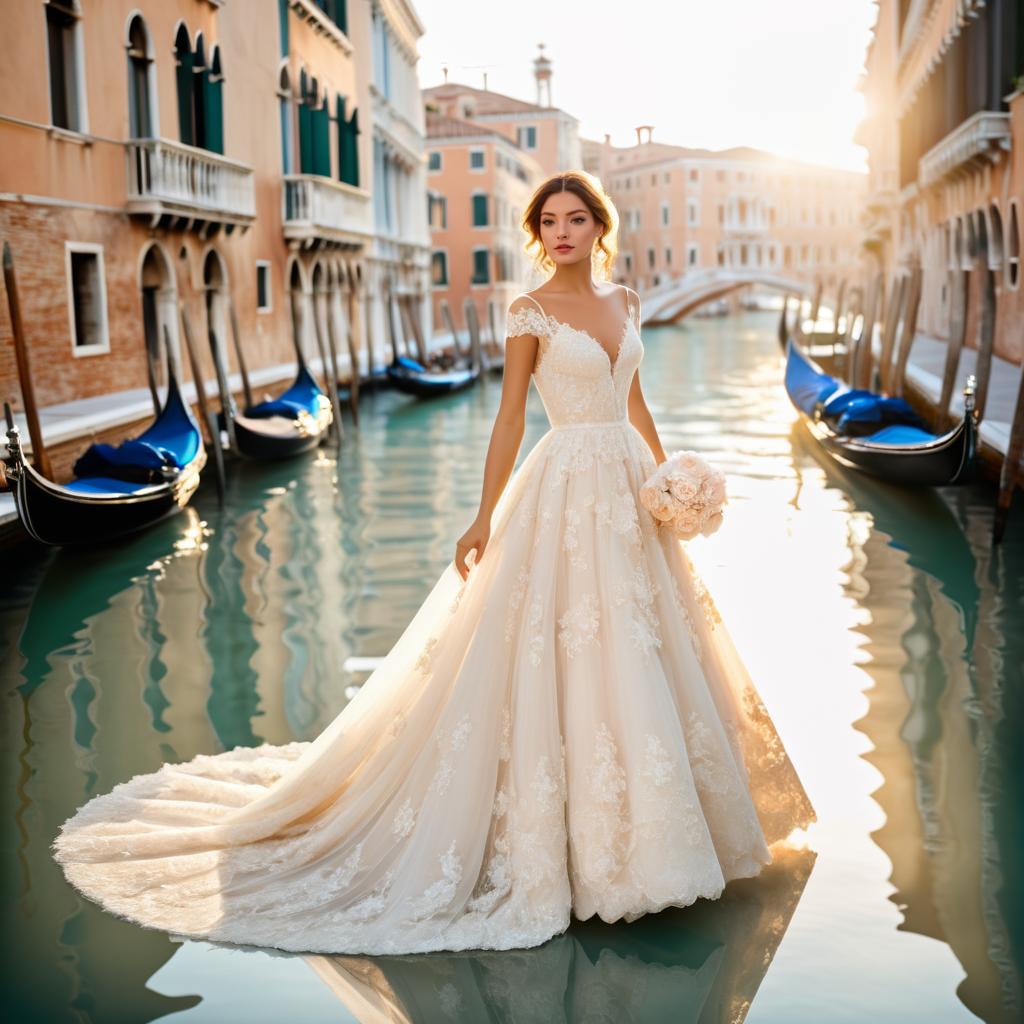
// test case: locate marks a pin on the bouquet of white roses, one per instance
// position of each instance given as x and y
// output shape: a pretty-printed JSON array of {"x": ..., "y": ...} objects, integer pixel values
[{"x": 686, "y": 494}]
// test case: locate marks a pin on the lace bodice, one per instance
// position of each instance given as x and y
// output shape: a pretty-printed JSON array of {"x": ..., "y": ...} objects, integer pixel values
[{"x": 576, "y": 379}]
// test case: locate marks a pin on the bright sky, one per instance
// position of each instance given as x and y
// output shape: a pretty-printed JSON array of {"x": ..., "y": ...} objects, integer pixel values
[{"x": 779, "y": 75}]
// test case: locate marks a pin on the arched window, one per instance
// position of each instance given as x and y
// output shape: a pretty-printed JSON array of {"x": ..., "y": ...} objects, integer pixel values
[
  {"x": 284, "y": 99},
  {"x": 184, "y": 63},
  {"x": 200, "y": 100},
  {"x": 971, "y": 246},
  {"x": 141, "y": 90},
  {"x": 215, "y": 286},
  {"x": 1013, "y": 247},
  {"x": 199, "y": 79},
  {"x": 159, "y": 314},
  {"x": 322, "y": 135},
  {"x": 981, "y": 236},
  {"x": 64, "y": 57},
  {"x": 995, "y": 238},
  {"x": 306, "y": 99}
]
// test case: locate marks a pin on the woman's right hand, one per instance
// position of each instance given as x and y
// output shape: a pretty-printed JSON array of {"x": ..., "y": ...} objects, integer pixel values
[{"x": 474, "y": 539}]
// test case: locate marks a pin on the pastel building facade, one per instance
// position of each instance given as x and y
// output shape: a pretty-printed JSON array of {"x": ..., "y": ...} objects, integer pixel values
[
  {"x": 486, "y": 153},
  {"x": 479, "y": 183},
  {"x": 208, "y": 157},
  {"x": 683, "y": 210},
  {"x": 944, "y": 131}
]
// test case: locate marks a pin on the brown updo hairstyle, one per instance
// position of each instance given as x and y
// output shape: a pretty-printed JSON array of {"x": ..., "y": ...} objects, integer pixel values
[{"x": 592, "y": 194}]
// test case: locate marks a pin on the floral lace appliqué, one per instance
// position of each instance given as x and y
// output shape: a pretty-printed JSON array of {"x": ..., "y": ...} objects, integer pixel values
[
  {"x": 601, "y": 830},
  {"x": 515, "y": 601},
  {"x": 450, "y": 743},
  {"x": 404, "y": 821},
  {"x": 579, "y": 625},
  {"x": 571, "y": 540},
  {"x": 711, "y": 768},
  {"x": 440, "y": 893},
  {"x": 680, "y": 604},
  {"x": 534, "y": 620},
  {"x": 636, "y": 593}
]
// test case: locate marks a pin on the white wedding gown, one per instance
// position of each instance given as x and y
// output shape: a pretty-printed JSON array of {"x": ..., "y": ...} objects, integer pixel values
[{"x": 568, "y": 730}]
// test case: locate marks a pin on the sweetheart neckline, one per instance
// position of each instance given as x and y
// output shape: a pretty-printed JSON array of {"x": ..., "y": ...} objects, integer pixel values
[{"x": 612, "y": 363}]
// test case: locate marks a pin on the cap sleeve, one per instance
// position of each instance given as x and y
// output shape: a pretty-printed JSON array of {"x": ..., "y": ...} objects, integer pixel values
[{"x": 523, "y": 317}]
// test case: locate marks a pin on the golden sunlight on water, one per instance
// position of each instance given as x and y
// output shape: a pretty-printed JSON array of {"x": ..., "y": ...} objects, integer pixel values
[{"x": 881, "y": 629}]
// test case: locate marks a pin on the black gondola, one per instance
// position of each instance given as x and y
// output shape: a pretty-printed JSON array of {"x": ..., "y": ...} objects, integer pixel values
[
  {"x": 877, "y": 434},
  {"x": 290, "y": 424},
  {"x": 116, "y": 491},
  {"x": 414, "y": 378}
]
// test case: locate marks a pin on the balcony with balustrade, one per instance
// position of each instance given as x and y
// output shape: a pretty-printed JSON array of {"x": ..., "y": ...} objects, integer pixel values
[
  {"x": 320, "y": 212},
  {"x": 172, "y": 183},
  {"x": 982, "y": 138},
  {"x": 746, "y": 217}
]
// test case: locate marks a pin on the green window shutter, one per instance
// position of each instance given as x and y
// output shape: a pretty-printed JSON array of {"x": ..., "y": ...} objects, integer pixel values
[
  {"x": 186, "y": 128},
  {"x": 282, "y": 21},
  {"x": 440, "y": 269},
  {"x": 305, "y": 139},
  {"x": 353, "y": 148},
  {"x": 348, "y": 157},
  {"x": 481, "y": 259},
  {"x": 199, "y": 106},
  {"x": 348, "y": 146},
  {"x": 214, "y": 113},
  {"x": 321, "y": 123},
  {"x": 286, "y": 141},
  {"x": 342, "y": 128},
  {"x": 336, "y": 10},
  {"x": 480, "y": 211}
]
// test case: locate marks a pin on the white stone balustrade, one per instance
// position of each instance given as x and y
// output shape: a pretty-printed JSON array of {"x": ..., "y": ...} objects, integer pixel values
[
  {"x": 166, "y": 177},
  {"x": 980, "y": 137},
  {"x": 317, "y": 207}
]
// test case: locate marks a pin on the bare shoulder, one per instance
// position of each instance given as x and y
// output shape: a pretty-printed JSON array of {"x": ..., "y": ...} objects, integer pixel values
[
  {"x": 523, "y": 301},
  {"x": 631, "y": 296}
]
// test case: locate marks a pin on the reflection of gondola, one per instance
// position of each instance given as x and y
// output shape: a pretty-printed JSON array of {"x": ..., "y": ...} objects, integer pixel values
[
  {"x": 414, "y": 378},
  {"x": 64, "y": 702},
  {"x": 880, "y": 435},
  {"x": 116, "y": 491}
]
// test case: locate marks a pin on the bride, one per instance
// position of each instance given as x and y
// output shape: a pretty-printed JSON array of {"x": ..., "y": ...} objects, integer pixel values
[{"x": 564, "y": 727}]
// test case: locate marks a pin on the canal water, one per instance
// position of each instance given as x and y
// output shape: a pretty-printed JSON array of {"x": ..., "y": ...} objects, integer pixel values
[{"x": 885, "y": 633}]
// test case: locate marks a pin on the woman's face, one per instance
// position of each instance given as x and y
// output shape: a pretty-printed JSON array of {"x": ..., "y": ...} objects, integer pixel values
[{"x": 567, "y": 228}]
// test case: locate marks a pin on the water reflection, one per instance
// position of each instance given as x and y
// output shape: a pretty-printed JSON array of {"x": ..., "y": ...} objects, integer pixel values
[
  {"x": 233, "y": 625},
  {"x": 944, "y": 616},
  {"x": 703, "y": 964},
  {"x": 74, "y": 961}
]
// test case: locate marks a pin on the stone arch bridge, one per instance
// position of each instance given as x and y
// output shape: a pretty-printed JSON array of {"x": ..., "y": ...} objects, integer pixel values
[{"x": 679, "y": 297}]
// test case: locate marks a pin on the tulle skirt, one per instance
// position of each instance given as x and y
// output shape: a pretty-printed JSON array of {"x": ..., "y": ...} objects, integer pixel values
[{"x": 569, "y": 731}]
